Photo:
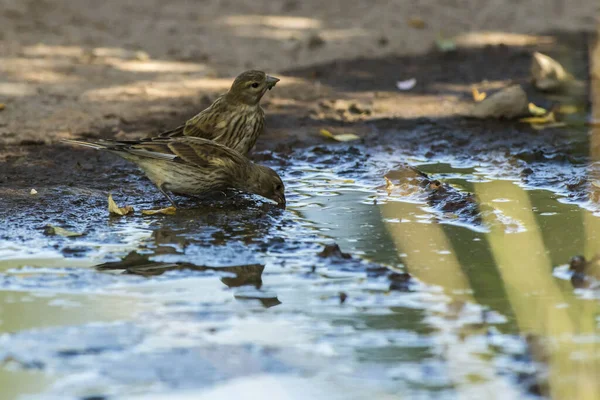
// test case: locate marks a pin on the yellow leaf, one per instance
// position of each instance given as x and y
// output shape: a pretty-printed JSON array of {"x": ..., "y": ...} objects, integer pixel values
[
  {"x": 114, "y": 209},
  {"x": 326, "y": 133},
  {"x": 546, "y": 119},
  {"x": 567, "y": 109},
  {"x": 344, "y": 137},
  {"x": 539, "y": 127},
  {"x": 334, "y": 181},
  {"x": 536, "y": 111},
  {"x": 2, "y": 106},
  {"x": 55, "y": 230},
  {"x": 165, "y": 211},
  {"x": 389, "y": 185},
  {"x": 477, "y": 95}
]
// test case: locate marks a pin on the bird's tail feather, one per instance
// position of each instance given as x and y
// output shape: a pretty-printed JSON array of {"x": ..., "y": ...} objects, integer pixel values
[
  {"x": 123, "y": 148},
  {"x": 94, "y": 145}
]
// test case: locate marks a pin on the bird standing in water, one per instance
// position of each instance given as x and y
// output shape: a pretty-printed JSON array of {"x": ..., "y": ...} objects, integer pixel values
[
  {"x": 235, "y": 119},
  {"x": 194, "y": 166}
]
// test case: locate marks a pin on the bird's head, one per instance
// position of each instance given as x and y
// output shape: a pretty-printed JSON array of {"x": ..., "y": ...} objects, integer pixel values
[
  {"x": 250, "y": 86},
  {"x": 265, "y": 182},
  {"x": 577, "y": 264}
]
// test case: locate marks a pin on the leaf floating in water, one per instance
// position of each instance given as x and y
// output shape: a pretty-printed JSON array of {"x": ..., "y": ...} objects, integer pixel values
[
  {"x": 389, "y": 185},
  {"x": 344, "y": 137},
  {"x": 477, "y": 95},
  {"x": 536, "y": 111},
  {"x": 341, "y": 181},
  {"x": 407, "y": 84},
  {"x": 164, "y": 211},
  {"x": 333, "y": 250},
  {"x": 33, "y": 192},
  {"x": 51, "y": 230},
  {"x": 546, "y": 119},
  {"x": 114, "y": 209}
]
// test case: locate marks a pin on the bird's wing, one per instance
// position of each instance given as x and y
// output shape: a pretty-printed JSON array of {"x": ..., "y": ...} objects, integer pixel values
[
  {"x": 204, "y": 153},
  {"x": 173, "y": 132},
  {"x": 190, "y": 150},
  {"x": 201, "y": 125}
]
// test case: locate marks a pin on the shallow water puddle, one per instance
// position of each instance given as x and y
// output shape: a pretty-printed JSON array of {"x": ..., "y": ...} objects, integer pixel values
[{"x": 483, "y": 313}]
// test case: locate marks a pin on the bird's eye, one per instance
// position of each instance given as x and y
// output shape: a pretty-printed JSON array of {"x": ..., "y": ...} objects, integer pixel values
[
  {"x": 255, "y": 85},
  {"x": 278, "y": 188}
]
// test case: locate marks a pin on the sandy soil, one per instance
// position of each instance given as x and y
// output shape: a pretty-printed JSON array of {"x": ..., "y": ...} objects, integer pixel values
[{"x": 82, "y": 67}]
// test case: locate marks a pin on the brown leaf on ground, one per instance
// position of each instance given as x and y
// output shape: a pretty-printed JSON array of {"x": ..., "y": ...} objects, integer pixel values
[
  {"x": 344, "y": 137},
  {"x": 477, "y": 95},
  {"x": 51, "y": 230},
  {"x": 114, "y": 209},
  {"x": 164, "y": 211}
]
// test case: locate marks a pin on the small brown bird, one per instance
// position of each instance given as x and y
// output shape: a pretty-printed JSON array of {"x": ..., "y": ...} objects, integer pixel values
[
  {"x": 235, "y": 119},
  {"x": 193, "y": 166}
]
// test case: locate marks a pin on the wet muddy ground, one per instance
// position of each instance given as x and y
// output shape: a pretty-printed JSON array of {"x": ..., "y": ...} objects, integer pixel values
[{"x": 445, "y": 281}]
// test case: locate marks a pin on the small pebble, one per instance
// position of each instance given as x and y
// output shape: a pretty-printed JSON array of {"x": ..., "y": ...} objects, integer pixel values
[{"x": 33, "y": 192}]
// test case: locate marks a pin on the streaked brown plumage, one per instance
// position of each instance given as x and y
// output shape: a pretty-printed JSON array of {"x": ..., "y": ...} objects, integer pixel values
[
  {"x": 193, "y": 166},
  {"x": 236, "y": 118}
]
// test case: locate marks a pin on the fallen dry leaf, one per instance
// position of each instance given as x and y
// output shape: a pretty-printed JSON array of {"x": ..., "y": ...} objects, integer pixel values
[
  {"x": 389, "y": 185},
  {"x": 416, "y": 22},
  {"x": 547, "y": 74},
  {"x": 114, "y": 209},
  {"x": 567, "y": 109},
  {"x": 334, "y": 181},
  {"x": 477, "y": 95},
  {"x": 539, "y": 127},
  {"x": 344, "y": 137},
  {"x": 2, "y": 106},
  {"x": 510, "y": 102},
  {"x": 536, "y": 111},
  {"x": 164, "y": 211},
  {"x": 55, "y": 230},
  {"x": 407, "y": 84},
  {"x": 33, "y": 192},
  {"x": 546, "y": 119}
]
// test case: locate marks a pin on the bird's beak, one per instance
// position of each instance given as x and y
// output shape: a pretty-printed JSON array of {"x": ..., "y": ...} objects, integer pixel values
[
  {"x": 281, "y": 202},
  {"x": 271, "y": 81}
]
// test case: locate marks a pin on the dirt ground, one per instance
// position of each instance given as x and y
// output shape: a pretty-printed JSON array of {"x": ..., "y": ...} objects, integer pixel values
[{"x": 129, "y": 69}]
